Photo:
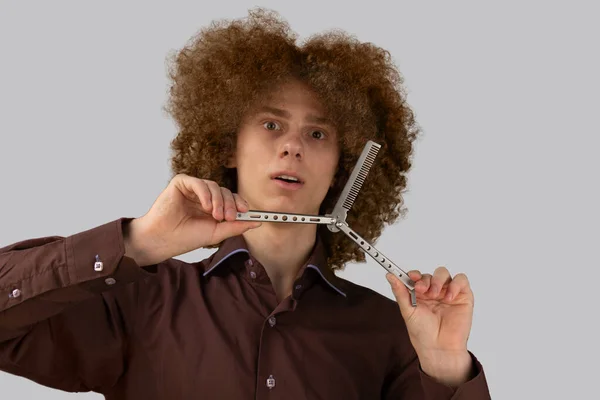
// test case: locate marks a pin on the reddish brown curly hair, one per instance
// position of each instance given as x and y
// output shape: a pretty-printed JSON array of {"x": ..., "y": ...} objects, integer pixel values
[{"x": 231, "y": 64}]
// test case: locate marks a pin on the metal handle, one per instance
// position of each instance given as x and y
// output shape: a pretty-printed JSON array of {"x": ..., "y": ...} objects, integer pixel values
[
  {"x": 385, "y": 262},
  {"x": 255, "y": 215}
]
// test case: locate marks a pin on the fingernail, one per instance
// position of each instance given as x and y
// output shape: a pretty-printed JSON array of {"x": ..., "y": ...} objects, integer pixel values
[{"x": 449, "y": 296}]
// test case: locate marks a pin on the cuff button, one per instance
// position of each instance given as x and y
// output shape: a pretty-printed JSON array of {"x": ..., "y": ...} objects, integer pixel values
[{"x": 98, "y": 265}]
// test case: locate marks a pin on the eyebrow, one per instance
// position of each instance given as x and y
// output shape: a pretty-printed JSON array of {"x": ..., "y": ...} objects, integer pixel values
[{"x": 285, "y": 114}]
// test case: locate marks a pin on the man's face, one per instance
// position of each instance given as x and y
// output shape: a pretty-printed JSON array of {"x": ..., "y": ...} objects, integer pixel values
[{"x": 287, "y": 153}]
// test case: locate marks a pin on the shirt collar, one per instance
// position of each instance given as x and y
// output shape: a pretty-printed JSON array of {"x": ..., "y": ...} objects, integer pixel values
[{"x": 316, "y": 261}]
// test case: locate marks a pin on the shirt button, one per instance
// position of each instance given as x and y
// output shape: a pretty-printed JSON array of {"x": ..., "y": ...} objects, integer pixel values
[
  {"x": 110, "y": 281},
  {"x": 298, "y": 287},
  {"x": 270, "y": 382},
  {"x": 249, "y": 263},
  {"x": 252, "y": 274},
  {"x": 272, "y": 321},
  {"x": 98, "y": 265},
  {"x": 15, "y": 293}
]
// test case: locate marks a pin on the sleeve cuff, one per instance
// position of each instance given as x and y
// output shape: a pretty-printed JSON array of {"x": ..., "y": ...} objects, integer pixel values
[
  {"x": 476, "y": 388},
  {"x": 103, "y": 244}
]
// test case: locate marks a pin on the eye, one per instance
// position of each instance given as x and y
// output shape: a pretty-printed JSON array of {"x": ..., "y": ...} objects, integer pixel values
[
  {"x": 270, "y": 125},
  {"x": 318, "y": 135}
]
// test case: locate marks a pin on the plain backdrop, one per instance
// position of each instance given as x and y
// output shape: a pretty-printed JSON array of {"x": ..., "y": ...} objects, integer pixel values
[{"x": 504, "y": 185}]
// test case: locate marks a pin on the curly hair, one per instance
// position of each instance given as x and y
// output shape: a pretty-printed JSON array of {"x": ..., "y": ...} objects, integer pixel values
[{"x": 230, "y": 65}]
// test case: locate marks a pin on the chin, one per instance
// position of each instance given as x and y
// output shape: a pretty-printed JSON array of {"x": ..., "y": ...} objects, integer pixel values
[{"x": 285, "y": 206}]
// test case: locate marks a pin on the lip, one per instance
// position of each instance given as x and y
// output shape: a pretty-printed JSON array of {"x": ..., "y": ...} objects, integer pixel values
[
  {"x": 287, "y": 185},
  {"x": 288, "y": 173}
]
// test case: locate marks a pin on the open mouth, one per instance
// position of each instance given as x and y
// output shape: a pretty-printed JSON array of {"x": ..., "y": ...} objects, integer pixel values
[{"x": 288, "y": 181}]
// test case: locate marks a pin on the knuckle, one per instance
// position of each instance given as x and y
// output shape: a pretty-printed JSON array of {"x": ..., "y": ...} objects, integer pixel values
[
  {"x": 176, "y": 179},
  {"x": 210, "y": 183},
  {"x": 197, "y": 183},
  {"x": 186, "y": 177}
]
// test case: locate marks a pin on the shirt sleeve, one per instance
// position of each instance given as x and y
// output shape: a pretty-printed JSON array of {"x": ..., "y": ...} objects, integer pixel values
[
  {"x": 67, "y": 307},
  {"x": 474, "y": 389},
  {"x": 406, "y": 380}
]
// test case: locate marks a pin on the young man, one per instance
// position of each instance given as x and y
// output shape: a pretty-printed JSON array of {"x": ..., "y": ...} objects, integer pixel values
[{"x": 264, "y": 125}]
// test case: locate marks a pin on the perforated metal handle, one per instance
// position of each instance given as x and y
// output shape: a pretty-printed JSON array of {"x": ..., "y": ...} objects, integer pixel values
[
  {"x": 381, "y": 259},
  {"x": 268, "y": 216},
  {"x": 386, "y": 263}
]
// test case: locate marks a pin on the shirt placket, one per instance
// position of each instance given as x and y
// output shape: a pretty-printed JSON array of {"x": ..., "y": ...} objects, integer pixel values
[
  {"x": 270, "y": 380},
  {"x": 267, "y": 377}
]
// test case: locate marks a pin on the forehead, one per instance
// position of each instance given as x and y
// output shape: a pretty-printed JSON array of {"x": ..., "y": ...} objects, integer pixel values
[
  {"x": 292, "y": 98},
  {"x": 292, "y": 94}
]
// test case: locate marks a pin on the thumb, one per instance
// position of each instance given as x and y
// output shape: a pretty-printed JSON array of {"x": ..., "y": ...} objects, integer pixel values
[
  {"x": 402, "y": 295},
  {"x": 227, "y": 229}
]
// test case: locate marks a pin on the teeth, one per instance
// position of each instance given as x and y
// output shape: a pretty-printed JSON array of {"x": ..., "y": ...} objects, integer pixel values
[{"x": 289, "y": 178}]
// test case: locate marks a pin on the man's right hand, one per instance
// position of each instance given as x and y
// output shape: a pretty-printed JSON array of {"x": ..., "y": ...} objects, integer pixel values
[{"x": 189, "y": 214}]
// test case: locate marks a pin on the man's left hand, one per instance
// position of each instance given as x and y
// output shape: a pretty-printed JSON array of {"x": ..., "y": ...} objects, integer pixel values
[{"x": 439, "y": 326}]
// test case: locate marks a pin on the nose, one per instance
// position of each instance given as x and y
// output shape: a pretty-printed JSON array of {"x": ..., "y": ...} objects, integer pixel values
[{"x": 292, "y": 147}]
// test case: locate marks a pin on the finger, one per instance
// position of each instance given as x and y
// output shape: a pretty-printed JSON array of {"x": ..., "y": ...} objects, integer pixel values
[
  {"x": 440, "y": 278},
  {"x": 203, "y": 193},
  {"x": 217, "y": 199},
  {"x": 422, "y": 285},
  {"x": 240, "y": 203},
  {"x": 402, "y": 295},
  {"x": 460, "y": 284},
  {"x": 414, "y": 274},
  {"x": 195, "y": 190},
  {"x": 228, "y": 204}
]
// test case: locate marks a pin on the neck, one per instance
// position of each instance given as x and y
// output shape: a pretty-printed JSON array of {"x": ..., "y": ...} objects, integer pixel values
[{"x": 282, "y": 249}]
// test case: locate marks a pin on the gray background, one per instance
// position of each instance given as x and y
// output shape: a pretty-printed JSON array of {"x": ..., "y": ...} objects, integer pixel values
[{"x": 503, "y": 188}]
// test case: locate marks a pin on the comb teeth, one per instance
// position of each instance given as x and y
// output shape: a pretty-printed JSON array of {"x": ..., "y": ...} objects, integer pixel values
[{"x": 361, "y": 176}]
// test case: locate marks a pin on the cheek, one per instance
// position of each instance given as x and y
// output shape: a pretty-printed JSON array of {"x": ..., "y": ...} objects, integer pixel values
[
  {"x": 328, "y": 170},
  {"x": 333, "y": 164},
  {"x": 251, "y": 164}
]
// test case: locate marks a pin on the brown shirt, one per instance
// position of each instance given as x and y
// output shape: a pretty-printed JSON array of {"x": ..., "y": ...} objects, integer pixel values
[{"x": 206, "y": 330}]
